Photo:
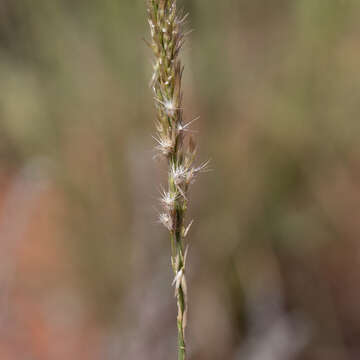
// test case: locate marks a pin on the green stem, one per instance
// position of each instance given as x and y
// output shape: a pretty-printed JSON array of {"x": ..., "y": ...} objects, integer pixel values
[
  {"x": 181, "y": 314},
  {"x": 178, "y": 253},
  {"x": 181, "y": 341}
]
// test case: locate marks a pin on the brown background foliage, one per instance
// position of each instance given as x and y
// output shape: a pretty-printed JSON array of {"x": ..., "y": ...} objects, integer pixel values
[{"x": 274, "y": 265}]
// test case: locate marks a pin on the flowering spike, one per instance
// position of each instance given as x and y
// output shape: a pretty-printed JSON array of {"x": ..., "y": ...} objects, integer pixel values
[{"x": 173, "y": 143}]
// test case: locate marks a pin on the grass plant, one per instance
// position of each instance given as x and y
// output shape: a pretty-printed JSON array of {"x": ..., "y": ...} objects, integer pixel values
[{"x": 174, "y": 141}]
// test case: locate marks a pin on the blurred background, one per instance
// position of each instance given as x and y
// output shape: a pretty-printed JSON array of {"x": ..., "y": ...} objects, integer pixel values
[{"x": 274, "y": 263}]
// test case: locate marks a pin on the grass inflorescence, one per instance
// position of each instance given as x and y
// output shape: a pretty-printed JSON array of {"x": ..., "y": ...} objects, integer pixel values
[{"x": 173, "y": 141}]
